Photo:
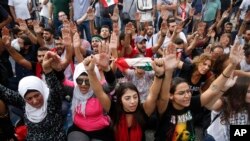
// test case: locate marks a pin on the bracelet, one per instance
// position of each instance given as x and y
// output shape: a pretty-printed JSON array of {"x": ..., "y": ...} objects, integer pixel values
[
  {"x": 160, "y": 77},
  {"x": 225, "y": 75}
]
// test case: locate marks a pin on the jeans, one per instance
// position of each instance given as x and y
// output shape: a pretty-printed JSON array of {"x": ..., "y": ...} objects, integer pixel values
[
  {"x": 45, "y": 21},
  {"x": 85, "y": 26}
]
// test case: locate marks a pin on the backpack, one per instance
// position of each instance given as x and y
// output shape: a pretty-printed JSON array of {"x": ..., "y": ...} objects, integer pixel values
[{"x": 145, "y": 5}]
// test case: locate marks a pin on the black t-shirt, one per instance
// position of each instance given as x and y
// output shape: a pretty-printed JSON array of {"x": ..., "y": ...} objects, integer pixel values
[
  {"x": 3, "y": 14},
  {"x": 186, "y": 73},
  {"x": 178, "y": 124}
]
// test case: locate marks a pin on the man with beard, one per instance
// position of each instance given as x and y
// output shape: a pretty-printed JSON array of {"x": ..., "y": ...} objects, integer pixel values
[
  {"x": 65, "y": 55},
  {"x": 48, "y": 38},
  {"x": 149, "y": 36},
  {"x": 105, "y": 33}
]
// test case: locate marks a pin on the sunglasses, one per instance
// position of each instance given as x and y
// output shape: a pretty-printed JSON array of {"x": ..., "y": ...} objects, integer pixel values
[{"x": 80, "y": 81}]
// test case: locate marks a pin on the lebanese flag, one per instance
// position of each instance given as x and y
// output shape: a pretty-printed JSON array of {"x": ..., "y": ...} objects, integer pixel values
[
  {"x": 126, "y": 63},
  {"x": 107, "y": 3}
]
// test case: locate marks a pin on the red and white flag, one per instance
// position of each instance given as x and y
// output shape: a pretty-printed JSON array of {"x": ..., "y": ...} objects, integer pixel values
[
  {"x": 107, "y": 3},
  {"x": 126, "y": 63}
]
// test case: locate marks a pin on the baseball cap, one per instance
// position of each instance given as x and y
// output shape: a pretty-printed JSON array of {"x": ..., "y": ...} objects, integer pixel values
[{"x": 139, "y": 39}]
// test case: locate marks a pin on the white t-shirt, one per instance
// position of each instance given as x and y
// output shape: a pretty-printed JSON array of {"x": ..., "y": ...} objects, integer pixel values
[
  {"x": 45, "y": 9},
  {"x": 244, "y": 5},
  {"x": 21, "y": 8},
  {"x": 168, "y": 39},
  {"x": 244, "y": 66}
]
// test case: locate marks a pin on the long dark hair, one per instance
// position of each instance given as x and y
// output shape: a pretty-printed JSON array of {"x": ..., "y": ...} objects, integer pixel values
[
  {"x": 234, "y": 99},
  {"x": 119, "y": 92},
  {"x": 175, "y": 82}
]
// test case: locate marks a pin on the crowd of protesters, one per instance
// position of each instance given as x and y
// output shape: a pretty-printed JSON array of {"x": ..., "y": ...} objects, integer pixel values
[{"x": 108, "y": 70}]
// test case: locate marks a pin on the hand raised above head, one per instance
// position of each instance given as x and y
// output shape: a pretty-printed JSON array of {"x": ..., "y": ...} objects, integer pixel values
[
  {"x": 89, "y": 63},
  {"x": 48, "y": 59},
  {"x": 158, "y": 66},
  {"x": 76, "y": 40},
  {"x": 236, "y": 54},
  {"x": 90, "y": 14},
  {"x": 102, "y": 60}
]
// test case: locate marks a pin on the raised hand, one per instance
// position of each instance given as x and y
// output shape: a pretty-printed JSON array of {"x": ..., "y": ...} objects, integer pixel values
[
  {"x": 103, "y": 47},
  {"x": 66, "y": 36},
  {"x": 171, "y": 57},
  {"x": 37, "y": 27},
  {"x": 22, "y": 25},
  {"x": 225, "y": 14},
  {"x": 236, "y": 54},
  {"x": 89, "y": 64},
  {"x": 6, "y": 39},
  {"x": 164, "y": 12},
  {"x": 158, "y": 66},
  {"x": 115, "y": 15},
  {"x": 116, "y": 28},
  {"x": 102, "y": 60},
  {"x": 90, "y": 14},
  {"x": 76, "y": 40},
  {"x": 66, "y": 23},
  {"x": 48, "y": 59},
  {"x": 113, "y": 41},
  {"x": 73, "y": 28}
]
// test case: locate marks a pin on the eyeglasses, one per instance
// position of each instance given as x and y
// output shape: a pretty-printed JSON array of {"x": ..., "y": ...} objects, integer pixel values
[
  {"x": 80, "y": 81},
  {"x": 182, "y": 93}
]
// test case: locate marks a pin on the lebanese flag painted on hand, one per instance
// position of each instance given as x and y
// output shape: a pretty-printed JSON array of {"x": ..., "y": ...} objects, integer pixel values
[
  {"x": 126, "y": 63},
  {"x": 107, "y": 3}
]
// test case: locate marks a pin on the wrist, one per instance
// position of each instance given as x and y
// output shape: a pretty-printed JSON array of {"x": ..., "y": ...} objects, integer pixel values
[
  {"x": 224, "y": 75},
  {"x": 160, "y": 76}
]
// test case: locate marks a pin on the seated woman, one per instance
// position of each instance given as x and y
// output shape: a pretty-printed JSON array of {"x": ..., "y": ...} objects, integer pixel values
[
  {"x": 231, "y": 109},
  {"x": 90, "y": 121},
  {"x": 126, "y": 112},
  {"x": 42, "y": 103},
  {"x": 178, "y": 107}
]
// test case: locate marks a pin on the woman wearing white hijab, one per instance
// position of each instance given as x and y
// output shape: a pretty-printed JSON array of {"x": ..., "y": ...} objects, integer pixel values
[
  {"x": 90, "y": 122},
  {"x": 42, "y": 105}
]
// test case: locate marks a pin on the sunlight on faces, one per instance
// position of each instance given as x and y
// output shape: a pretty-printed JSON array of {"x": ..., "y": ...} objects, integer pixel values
[
  {"x": 35, "y": 99},
  {"x": 182, "y": 96},
  {"x": 130, "y": 100},
  {"x": 204, "y": 67},
  {"x": 83, "y": 83}
]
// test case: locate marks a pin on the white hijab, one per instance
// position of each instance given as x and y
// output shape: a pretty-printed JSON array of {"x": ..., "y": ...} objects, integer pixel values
[
  {"x": 34, "y": 83},
  {"x": 79, "y": 100}
]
